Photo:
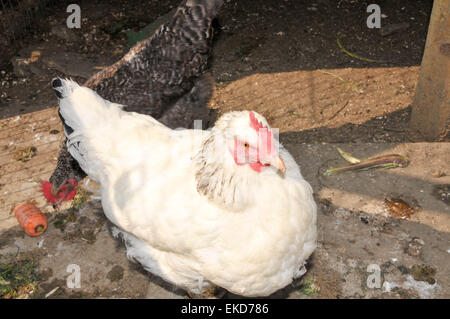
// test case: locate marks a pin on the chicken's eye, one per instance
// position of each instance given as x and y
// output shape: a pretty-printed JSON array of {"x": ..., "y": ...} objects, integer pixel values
[{"x": 246, "y": 145}]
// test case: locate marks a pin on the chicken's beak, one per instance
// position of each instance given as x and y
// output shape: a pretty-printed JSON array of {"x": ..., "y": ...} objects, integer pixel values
[{"x": 278, "y": 163}]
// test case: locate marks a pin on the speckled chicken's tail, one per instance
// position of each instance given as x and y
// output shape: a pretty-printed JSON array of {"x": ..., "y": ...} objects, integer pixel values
[
  {"x": 193, "y": 20},
  {"x": 186, "y": 39}
]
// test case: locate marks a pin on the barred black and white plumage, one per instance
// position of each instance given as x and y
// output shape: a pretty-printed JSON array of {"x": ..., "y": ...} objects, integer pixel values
[{"x": 162, "y": 76}]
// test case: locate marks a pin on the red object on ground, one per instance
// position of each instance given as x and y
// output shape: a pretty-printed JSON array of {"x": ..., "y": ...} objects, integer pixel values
[
  {"x": 67, "y": 191},
  {"x": 31, "y": 219}
]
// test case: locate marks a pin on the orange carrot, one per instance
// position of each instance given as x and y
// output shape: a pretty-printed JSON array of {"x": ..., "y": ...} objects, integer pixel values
[{"x": 31, "y": 219}]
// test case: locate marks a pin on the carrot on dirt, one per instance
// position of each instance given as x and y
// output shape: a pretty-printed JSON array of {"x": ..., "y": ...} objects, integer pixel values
[{"x": 31, "y": 219}]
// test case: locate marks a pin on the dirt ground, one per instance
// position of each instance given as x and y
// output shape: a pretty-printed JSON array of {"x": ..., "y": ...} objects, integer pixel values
[{"x": 282, "y": 59}]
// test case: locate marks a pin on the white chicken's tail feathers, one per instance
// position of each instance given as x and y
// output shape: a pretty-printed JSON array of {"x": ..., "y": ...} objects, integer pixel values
[
  {"x": 84, "y": 115},
  {"x": 64, "y": 88},
  {"x": 81, "y": 107}
]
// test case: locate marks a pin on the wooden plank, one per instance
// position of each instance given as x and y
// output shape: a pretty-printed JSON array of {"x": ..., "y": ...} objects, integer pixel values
[
  {"x": 44, "y": 145},
  {"x": 26, "y": 172},
  {"x": 20, "y": 181},
  {"x": 32, "y": 117},
  {"x": 36, "y": 127}
]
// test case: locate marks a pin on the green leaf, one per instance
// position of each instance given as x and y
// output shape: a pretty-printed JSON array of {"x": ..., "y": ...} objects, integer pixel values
[{"x": 135, "y": 37}]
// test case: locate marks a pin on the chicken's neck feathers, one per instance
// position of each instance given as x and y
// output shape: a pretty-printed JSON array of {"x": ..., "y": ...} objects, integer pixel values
[{"x": 226, "y": 184}]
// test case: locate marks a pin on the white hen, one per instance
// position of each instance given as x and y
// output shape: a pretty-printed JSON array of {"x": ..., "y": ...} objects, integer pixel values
[{"x": 227, "y": 207}]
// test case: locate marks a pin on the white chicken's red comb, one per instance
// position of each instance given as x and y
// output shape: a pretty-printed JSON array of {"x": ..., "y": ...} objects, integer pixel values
[
  {"x": 264, "y": 134},
  {"x": 254, "y": 123}
]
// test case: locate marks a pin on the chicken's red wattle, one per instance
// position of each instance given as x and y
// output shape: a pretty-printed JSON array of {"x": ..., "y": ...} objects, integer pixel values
[{"x": 67, "y": 191}]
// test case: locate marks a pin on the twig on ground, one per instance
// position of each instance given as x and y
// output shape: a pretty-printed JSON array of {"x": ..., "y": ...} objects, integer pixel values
[
  {"x": 354, "y": 55},
  {"x": 338, "y": 111},
  {"x": 349, "y": 84}
]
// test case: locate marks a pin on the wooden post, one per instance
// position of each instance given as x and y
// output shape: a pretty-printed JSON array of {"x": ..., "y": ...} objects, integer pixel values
[{"x": 431, "y": 107}]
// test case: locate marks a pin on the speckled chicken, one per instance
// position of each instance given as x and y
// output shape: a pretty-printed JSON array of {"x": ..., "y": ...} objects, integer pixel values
[{"x": 163, "y": 76}]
